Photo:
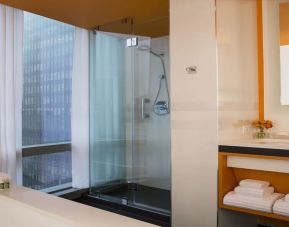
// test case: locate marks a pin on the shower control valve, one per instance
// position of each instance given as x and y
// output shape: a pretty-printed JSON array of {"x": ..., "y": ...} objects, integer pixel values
[{"x": 144, "y": 101}]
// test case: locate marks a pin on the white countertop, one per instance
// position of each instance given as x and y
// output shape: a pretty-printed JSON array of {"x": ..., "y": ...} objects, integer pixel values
[
  {"x": 258, "y": 143},
  {"x": 69, "y": 212}
]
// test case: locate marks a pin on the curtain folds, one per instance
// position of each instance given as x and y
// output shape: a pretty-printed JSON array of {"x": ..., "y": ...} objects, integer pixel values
[
  {"x": 11, "y": 41},
  {"x": 80, "y": 110},
  {"x": 107, "y": 109}
]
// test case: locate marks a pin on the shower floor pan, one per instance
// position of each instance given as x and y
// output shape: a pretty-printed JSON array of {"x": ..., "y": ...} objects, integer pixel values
[{"x": 145, "y": 203}]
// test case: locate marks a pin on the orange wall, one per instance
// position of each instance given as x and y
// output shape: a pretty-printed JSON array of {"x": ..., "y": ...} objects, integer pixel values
[{"x": 284, "y": 23}]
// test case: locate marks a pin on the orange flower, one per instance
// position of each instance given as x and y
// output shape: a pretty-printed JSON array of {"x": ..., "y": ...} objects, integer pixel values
[
  {"x": 262, "y": 124},
  {"x": 268, "y": 124}
]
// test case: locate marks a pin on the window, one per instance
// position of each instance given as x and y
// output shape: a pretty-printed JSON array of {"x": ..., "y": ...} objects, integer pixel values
[{"x": 46, "y": 109}]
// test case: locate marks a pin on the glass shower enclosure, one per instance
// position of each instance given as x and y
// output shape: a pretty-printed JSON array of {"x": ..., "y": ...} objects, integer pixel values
[{"x": 130, "y": 120}]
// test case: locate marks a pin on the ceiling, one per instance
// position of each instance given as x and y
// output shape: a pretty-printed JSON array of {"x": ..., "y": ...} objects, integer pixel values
[{"x": 150, "y": 17}]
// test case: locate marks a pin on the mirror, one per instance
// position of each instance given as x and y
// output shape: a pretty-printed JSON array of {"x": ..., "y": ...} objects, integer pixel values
[
  {"x": 284, "y": 51},
  {"x": 276, "y": 62}
]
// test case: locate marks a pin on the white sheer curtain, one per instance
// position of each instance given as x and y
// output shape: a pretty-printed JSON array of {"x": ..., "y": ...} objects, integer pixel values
[
  {"x": 11, "y": 36},
  {"x": 108, "y": 108},
  {"x": 80, "y": 110}
]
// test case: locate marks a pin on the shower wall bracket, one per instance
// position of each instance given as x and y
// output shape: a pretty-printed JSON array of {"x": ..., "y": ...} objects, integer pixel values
[{"x": 144, "y": 101}]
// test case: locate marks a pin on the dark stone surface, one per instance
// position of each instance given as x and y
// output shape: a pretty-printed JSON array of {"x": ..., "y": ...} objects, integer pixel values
[
  {"x": 144, "y": 203},
  {"x": 254, "y": 150}
]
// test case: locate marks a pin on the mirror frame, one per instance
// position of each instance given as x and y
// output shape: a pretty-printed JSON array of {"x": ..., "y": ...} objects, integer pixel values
[{"x": 260, "y": 58}]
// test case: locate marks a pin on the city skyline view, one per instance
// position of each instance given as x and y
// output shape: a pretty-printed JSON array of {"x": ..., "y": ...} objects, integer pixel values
[{"x": 46, "y": 109}]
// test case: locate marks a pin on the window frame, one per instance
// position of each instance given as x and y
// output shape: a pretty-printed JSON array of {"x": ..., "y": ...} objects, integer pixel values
[{"x": 41, "y": 149}]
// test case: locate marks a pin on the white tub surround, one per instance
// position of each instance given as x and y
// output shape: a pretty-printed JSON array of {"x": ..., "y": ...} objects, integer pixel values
[{"x": 34, "y": 208}]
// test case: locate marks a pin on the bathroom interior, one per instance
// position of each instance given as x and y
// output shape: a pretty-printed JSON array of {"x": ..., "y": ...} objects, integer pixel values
[
  {"x": 125, "y": 167},
  {"x": 186, "y": 100}
]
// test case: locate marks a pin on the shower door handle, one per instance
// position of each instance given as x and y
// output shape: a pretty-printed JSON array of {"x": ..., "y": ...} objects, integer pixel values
[{"x": 144, "y": 101}]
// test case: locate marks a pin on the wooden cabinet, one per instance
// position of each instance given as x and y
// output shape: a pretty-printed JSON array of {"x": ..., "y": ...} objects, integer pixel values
[{"x": 231, "y": 175}]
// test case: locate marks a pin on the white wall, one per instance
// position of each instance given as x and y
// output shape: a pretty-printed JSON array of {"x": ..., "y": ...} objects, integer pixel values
[
  {"x": 273, "y": 109},
  {"x": 194, "y": 113},
  {"x": 237, "y": 67}
]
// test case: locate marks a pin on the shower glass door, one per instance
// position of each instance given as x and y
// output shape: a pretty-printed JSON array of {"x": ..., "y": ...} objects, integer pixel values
[
  {"x": 151, "y": 128},
  {"x": 111, "y": 97},
  {"x": 130, "y": 120}
]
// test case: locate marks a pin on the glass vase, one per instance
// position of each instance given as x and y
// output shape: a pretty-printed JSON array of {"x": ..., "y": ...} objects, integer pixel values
[{"x": 261, "y": 133}]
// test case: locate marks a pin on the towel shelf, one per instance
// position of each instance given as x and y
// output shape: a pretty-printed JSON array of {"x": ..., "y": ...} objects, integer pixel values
[
  {"x": 230, "y": 176},
  {"x": 254, "y": 212}
]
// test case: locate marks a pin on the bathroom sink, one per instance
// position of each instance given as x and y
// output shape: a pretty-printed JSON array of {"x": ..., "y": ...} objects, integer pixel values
[
  {"x": 282, "y": 144},
  {"x": 269, "y": 141}
]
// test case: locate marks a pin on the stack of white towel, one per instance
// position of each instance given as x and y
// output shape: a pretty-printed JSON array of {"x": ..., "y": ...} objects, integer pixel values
[
  {"x": 281, "y": 206},
  {"x": 254, "y": 195},
  {"x": 4, "y": 181}
]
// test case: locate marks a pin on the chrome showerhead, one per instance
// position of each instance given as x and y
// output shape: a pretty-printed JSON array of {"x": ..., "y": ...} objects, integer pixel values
[
  {"x": 148, "y": 48},
  {"x": 144, "y": 48}
]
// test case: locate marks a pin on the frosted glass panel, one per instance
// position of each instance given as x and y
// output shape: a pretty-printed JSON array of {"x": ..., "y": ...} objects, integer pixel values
[{"x": 108, "y": 125}]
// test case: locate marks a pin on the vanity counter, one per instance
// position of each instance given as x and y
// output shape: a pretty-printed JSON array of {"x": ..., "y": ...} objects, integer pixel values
[{"x": 256, "y": 147}]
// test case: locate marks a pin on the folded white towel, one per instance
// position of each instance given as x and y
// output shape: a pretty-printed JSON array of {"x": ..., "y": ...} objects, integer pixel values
[
  {"x": 254, "y": 183},
  {"x": 4, "y": 177},
  {"x": 281, "y": 207},
  {"x": 256, "y": 192},
  {"x": 264, "y": 204}
]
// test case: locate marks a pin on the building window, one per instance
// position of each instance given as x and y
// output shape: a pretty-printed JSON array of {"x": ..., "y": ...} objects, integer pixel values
[{"x": 46, "y": 110}]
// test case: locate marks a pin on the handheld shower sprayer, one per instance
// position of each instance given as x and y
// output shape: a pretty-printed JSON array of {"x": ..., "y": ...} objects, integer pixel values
[{"x": 160, "y": 107}]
